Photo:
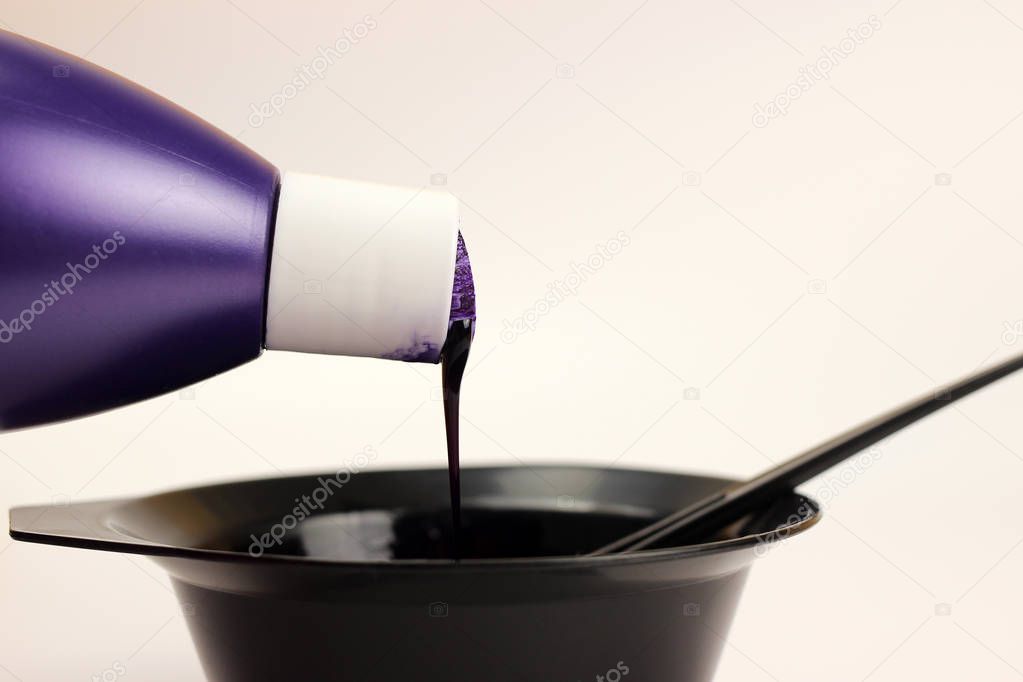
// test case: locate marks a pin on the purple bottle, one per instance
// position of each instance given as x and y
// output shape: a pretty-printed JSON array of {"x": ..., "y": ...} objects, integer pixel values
[{"x": 143, "y": 250}]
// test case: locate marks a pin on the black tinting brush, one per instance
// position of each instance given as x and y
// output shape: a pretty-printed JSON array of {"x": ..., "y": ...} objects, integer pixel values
[{"x": 700, "y": 519}]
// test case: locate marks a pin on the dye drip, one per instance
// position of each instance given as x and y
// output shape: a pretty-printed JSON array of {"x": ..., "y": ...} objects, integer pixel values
[
  {"x": 454, "y": 356},
  {"x": 453, "y": 359}
]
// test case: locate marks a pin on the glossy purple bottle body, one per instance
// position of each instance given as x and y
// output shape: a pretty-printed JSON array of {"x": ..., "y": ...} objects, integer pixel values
[{"x": 134, "y": 241}]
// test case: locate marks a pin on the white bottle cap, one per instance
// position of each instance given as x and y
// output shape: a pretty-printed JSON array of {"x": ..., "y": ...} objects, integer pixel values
[{"x": 361, "y": 269}]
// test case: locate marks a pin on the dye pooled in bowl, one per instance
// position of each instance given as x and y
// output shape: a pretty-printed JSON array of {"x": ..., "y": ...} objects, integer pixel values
[{"x": 480, "y": 532}]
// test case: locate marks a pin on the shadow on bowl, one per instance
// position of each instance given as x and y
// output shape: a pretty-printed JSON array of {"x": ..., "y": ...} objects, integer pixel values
[{"x": 346, "y": 577}]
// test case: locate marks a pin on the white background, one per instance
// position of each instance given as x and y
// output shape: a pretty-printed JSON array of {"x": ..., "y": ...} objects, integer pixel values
[{"x": 914, "y": 574}]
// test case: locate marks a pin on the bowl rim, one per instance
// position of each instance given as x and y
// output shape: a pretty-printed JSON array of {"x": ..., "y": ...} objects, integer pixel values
[{"x": 48, "y": 524}]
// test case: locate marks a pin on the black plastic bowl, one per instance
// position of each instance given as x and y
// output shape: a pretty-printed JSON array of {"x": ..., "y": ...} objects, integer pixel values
[{"x": 353, "y": 592}]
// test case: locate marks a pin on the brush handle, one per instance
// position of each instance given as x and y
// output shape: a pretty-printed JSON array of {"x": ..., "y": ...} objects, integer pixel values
[{"x": 731, "y": 504}]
